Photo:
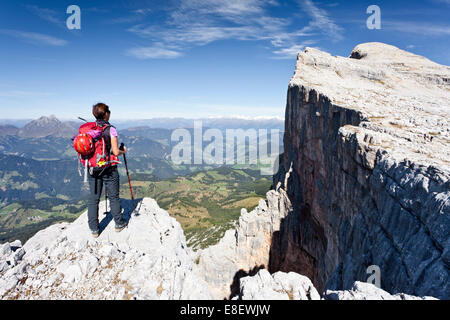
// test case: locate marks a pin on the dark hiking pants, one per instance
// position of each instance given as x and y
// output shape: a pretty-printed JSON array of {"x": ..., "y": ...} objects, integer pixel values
[{"x": 110, "y": 177}]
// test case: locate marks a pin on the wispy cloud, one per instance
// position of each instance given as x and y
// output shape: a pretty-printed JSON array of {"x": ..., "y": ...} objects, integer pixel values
[
  {"x": 425, "y": 29},
  {"x": 134, "y": 16},
  {"x": 192, "y": 23},
  {"x": 291, "y": 52},
  {"x": 96, "y": 10},
  {"x": 34, "y": 37},
  {"x": 153, "y": 52},
  {"x": 48, "y": 15},
  {"x": 196, "y": 34},
  {"x": 200, "y": 22},
  {"x": 321, "y": 20}
]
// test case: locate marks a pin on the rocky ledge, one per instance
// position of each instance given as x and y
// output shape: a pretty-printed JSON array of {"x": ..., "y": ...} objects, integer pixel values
[
  {"x": 147, "y": 260},
  {"x": 292, "y": 286}
]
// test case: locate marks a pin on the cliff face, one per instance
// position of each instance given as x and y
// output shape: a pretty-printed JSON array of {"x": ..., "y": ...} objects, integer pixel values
[
  {"x": 366, "y": 169},
  {"x": 244, "y": 250}
]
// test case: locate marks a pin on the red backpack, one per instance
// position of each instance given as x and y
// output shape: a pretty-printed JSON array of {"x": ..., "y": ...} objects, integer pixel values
[{"x": 94, "y": 153}]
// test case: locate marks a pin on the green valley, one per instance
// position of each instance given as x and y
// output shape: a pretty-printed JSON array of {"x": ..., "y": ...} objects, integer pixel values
[
  {"x": 22, "y": 220},
  {"x": 205, "y": 203}
]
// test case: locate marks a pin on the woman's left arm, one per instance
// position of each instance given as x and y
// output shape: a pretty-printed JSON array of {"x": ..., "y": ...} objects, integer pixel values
[{"x": 115, "y": 147}]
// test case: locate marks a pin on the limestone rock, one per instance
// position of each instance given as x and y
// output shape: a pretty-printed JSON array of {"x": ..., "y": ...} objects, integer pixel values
[
  {"x": 279, "y": 286},
  {"x": 244, "y": 250},
  {"x": 368, "y": 291},
  {"x": 147, "y": 260},
  {"x": 404, "y": 96},
  {"x": 365, "y": 166},
  {"x": 292, "y": 286}
]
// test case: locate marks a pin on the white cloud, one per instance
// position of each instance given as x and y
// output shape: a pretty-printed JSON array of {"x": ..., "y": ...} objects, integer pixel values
[
  {"x": 34, "y": 37},
  {"x": 200, "y": 22},
  {"x": 133, "y": 17},
  {"x": 229, "y": 9},
  {"x": 417, "y": 28},
  {"x": 196, "y": 34},
  {"x": 153, "y": 53},
  {"x": 46, "y": 14},
  {"x": 292, "y": 51},
  {"x": 321, "y": 20}
]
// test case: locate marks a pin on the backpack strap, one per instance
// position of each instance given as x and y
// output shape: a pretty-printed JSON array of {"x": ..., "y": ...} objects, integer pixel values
[{"x": 106, "y": 134}]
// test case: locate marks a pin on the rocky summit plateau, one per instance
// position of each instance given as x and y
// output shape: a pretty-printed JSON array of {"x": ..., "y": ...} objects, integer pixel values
[{"x": 363, "y": 181}]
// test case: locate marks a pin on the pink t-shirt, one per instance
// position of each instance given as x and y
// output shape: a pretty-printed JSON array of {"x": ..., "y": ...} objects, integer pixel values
[
  {"x": 113, "y": 132},
  {"x": 95, "y": 134}
]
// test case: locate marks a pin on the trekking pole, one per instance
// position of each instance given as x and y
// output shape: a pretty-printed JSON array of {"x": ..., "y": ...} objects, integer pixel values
[
  {"x": 106, "y": 200},
  {"x": 126, "y": 167}
]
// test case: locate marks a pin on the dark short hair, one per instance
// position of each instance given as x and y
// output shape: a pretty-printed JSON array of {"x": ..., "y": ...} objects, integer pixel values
[{"x": 100, "y": 110}]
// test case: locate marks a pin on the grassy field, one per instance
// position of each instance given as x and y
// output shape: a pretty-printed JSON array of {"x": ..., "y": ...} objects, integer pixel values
[
  {"x": 22, "y": 220},
  {"x": 205, "y": 203}
]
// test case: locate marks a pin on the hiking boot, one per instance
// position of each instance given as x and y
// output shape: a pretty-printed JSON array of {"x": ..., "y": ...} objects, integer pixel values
[
  {"x": 120, "y": 227},
  {"x": 95, "y": 234}
]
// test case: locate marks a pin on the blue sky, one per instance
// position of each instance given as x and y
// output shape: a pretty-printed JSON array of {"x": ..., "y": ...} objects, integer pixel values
[{"x": 188, "y": 58}]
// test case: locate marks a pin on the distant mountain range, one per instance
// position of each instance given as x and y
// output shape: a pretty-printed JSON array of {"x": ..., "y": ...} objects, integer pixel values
[
  {"x": 51, "y": 126},
  {"x": 8, "y": 130},
  {"x": 18, "y": 123},
  {"x": 220, "y": 123}
]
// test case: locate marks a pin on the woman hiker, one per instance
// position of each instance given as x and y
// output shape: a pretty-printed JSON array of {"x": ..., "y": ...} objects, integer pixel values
[{"x": 109, "y": 176}]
